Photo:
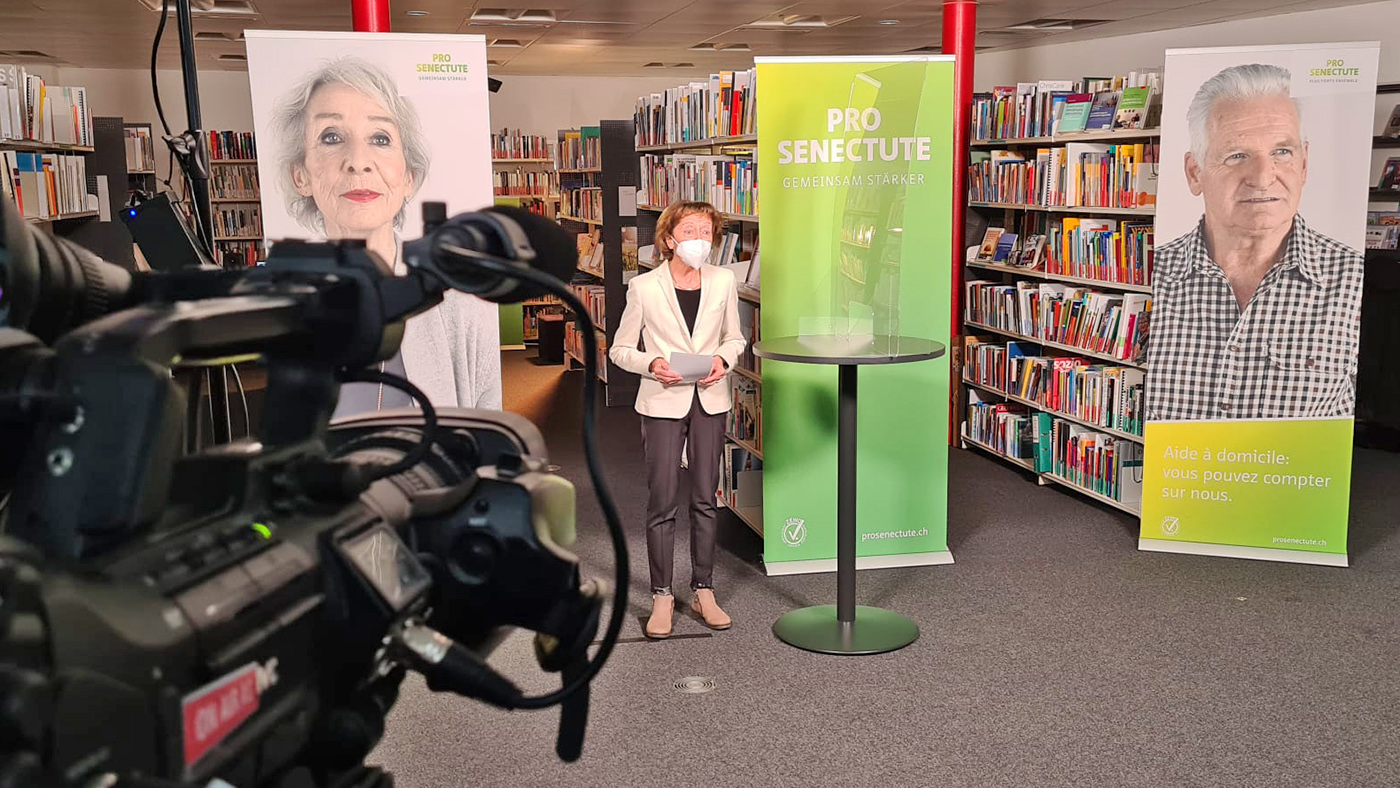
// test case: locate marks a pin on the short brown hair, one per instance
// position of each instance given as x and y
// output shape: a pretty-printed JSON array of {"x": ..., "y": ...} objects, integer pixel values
[{"x": 673, "y": 215}]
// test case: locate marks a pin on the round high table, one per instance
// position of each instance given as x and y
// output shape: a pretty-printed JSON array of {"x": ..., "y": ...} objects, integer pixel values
[{"x": 846, "y": 628}]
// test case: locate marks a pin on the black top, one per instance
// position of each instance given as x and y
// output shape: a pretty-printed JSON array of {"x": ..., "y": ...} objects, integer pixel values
[
  {"x": 356, "y": 398},
  {"x": 690, "y": 305},
  {"x": 822, "y": 349}
]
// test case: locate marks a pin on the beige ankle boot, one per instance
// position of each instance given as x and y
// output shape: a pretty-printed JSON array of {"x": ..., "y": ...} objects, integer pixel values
[
  {"x": 659, "y": 625},
  {"x": 704, "y": 603}
]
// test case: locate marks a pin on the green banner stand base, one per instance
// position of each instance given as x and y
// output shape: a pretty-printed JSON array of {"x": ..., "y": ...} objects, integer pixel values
[
  {"x": 874, "y": 631},
  {"x": 819, "y": 565},
  {"x": 1236, "y": 551}
]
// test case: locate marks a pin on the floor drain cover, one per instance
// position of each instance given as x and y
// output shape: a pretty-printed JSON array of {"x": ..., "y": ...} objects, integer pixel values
[{"x": 694, "y": 685}]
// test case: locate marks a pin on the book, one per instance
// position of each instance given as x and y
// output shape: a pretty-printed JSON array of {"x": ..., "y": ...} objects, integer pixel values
[
  {"x": 1076, "y": 112},
  {"x": 1006, "y": 248},
  {"x": 1032, "y": 252},
  {"x": 989, "y": 243},
  {"x": 1392, "y": 126},
  {"x": 1382, "y": 230},
  {"x": 1132, "y": 108},
  {"x": 1390, "y": 176},
  {"x": 1102, "y": 112}
]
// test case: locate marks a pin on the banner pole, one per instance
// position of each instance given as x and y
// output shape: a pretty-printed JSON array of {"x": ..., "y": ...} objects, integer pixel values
[
  {"x": 959, "y": 40},
  {"x": 370, "y": 16}
]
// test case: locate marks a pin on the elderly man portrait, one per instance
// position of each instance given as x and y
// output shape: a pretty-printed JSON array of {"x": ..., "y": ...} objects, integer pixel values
[
  {"x": 1254, "y": 314},
  {"x": 351, "y": 157}
]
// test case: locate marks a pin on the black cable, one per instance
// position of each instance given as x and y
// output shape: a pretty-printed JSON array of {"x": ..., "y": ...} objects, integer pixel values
[
  {"x": 155, "y": 49},
  {"x": 420, "y": 451},
  {"x": 621, "y": 578},
  {"x": 242, "y": 395}
]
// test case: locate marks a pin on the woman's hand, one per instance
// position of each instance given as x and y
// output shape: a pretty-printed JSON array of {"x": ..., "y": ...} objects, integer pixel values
[
  {"x": 663, "y": 373},
  {"x": 716, "y": 373}
]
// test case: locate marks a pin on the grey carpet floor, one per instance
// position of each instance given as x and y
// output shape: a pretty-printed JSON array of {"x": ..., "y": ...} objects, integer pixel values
[{"x": 1052, "y": 653}]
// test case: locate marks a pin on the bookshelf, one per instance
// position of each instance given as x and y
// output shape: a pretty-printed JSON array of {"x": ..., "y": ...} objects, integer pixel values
[
  {"x": 522, "y": 171},
  {"x": 684, "y": 150},
  {"x": 1378, "y": 363},
  {"x": 1038, "y": 390},
  {"x": 140, "y": 158},
  {"x": 595, "y": 165}
]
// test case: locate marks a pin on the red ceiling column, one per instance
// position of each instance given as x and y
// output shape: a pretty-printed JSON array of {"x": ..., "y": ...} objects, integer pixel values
[
  {"x": 371, "y": 16},
  {"x": 959, "y": 39}
]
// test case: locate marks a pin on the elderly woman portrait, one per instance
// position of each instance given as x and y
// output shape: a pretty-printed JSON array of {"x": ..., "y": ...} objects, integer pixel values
[{"x": 351, "y": 156}]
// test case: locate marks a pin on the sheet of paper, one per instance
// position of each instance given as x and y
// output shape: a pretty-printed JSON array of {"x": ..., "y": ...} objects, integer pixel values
[
  {"x": 104, "y": 204},
  {"x": 627, "y": 201},
  {"x": 691, "y": 367}
]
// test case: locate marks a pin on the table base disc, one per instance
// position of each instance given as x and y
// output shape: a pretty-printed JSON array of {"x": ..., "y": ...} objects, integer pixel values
[{"x": 874, "y": 631}]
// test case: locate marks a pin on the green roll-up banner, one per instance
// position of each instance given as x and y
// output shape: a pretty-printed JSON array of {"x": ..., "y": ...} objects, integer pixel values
[
  {"x": 855, "y": 184},
  {"x": 1256, "y": 300}
]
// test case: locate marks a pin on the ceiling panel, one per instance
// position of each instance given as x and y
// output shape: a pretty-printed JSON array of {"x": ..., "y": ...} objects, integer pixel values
[{"x": 117, "y": 33}]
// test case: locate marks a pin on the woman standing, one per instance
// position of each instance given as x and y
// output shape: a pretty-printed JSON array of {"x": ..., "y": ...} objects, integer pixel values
[
  {"x": 352, "y": 156},
  {"x": 683, "y": 306}
]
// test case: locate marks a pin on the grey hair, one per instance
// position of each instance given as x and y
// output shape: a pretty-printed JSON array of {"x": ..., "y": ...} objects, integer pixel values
[
  {"x": 1254, "y": 80},
  {"x": 289, "y": 126}
]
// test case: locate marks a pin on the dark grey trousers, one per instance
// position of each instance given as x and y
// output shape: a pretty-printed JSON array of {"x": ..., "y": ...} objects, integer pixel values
[{"x": 662, "y": 439}]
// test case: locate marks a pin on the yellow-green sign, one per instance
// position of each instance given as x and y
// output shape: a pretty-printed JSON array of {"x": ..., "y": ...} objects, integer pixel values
[{"x": 855, "y": 177}]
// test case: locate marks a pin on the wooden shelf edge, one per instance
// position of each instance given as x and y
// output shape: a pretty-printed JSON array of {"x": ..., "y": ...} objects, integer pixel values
[
  {"x": 1049, "y": 476},
  {"x": 750, "y": 516},
  {"x": 602, "y": 373},
  {"x": 708, "y": 142},
  {"x": 1085, "y": 491},
  {"x": 1073, "y": 136},
  {"x": 45, "y": 147},
  {"x": 1058, "y": 346},
  {"x": 1141, "y": 211},
  {"x": 747, "y": 373},
  {"x": 743, "y": 444},
  {"x": 1035, "y": 274},
  {"x": 1020, "y": 463}
]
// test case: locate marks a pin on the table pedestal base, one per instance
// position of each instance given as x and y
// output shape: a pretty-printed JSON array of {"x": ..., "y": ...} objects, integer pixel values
[{"x": 873, "y": 632}]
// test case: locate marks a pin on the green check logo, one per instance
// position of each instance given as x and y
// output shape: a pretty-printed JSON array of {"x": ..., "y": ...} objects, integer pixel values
[{"x": 794, "y": 532}]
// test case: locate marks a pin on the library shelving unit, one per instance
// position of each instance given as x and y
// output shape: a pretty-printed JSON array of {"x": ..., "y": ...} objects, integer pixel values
[
  {"x": 686, "y": 169},
  {"x": 76, "y": 220},
  {"x": 140, "y": 157},
  {"x": 1378, "y": 367},
  {"x": 1068, "y": 409},
  {"x": 596, "y": 166},
  {"x": 235, "y": 197},
  {"x": 522, "y": 171}
]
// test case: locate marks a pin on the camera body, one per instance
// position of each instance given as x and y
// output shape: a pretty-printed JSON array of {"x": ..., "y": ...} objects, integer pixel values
[{"x": 248, "y": 613}]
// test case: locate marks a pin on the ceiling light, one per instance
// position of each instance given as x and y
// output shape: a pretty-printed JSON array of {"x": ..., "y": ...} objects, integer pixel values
[
  {"x": 1054, "y": 25},
  {"x": 653, "y": 64},
  {"x": 240, "y": 58},
  {"x": 889, "y": 21},
  {"x": 798, "y": 22},
  {"x": 27, "y": 54},
  {"x": 209, "y": 8},
  {"x": 714, "y": 47},
  {"x": 415, "y": 13},
  {"x": 682, "y": 65},
  {"x": 505, "y": 43},
  {"x": 535, "y": 16}
]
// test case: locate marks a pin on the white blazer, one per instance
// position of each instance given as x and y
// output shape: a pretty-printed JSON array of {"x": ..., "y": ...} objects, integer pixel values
[{"x": 653, "y": 316}]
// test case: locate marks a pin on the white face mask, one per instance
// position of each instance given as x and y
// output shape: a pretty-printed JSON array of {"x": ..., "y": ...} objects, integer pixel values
[{"x": 693, "y": 253}]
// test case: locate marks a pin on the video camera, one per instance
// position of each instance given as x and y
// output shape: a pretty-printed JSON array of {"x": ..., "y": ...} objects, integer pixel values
[{"x": 247, "y": 613}]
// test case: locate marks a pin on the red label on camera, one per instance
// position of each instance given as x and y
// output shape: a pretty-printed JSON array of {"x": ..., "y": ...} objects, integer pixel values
[{"x": 213, "y": 712}]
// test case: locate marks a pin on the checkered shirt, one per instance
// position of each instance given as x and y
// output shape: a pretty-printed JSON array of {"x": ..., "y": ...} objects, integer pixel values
[{"x": 1290, "y": 354}]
